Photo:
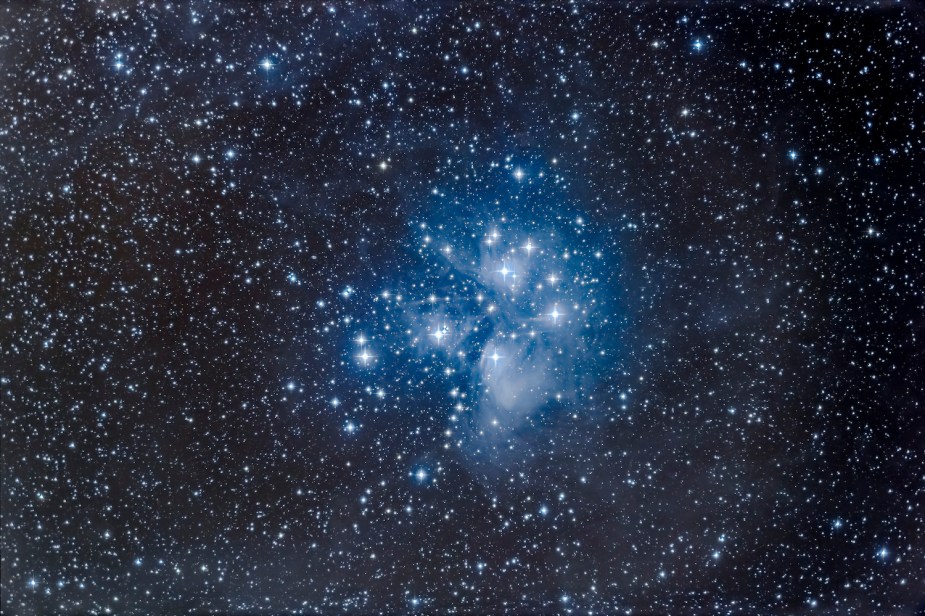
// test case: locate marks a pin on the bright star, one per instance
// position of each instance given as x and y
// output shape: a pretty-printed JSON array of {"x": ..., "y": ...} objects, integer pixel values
[
  {"x": 440, "y": 334},
  {"x": 555, "y": 314}
]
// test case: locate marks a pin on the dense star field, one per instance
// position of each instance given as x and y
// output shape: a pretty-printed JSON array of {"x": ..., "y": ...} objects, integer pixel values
[{"x": 424, "y": 307}]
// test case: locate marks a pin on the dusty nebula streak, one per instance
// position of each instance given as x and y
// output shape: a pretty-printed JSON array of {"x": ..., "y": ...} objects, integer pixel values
[{"x": 520, "y": 320}]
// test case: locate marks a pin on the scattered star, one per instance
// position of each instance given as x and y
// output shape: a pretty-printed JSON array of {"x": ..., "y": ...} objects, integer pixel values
[{"x": 479, "y": 308}]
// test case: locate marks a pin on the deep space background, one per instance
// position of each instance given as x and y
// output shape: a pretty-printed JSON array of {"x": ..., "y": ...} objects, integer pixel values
[{"x": 462, "y": 307}]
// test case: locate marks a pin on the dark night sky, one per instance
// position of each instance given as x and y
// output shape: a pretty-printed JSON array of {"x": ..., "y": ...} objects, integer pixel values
[{"x": 361, "y": 308}]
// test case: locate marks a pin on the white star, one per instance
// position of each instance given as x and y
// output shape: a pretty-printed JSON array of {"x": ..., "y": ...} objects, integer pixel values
[
  {"x": 555, "y": 314},
  {"x": 440, "y": 334}
]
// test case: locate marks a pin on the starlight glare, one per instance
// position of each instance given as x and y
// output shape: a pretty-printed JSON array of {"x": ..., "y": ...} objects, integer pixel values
[
  {"x": 365, "y": 357},
  {"x": 440, "y": 333},
  {"x": 555, "y": 314}
]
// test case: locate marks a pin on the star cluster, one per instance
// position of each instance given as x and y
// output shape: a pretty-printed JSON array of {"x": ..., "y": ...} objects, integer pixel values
[
  {"x": 516, "y": 325},
  {"x": 345, "y": 307}
]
